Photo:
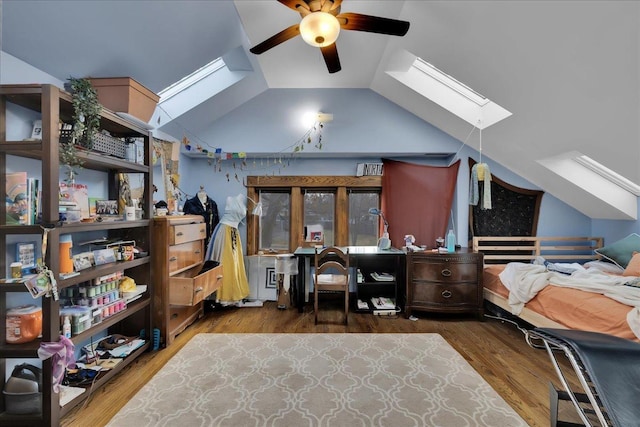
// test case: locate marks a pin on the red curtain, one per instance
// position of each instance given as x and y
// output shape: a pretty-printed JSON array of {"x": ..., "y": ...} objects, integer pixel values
[{"x": 417, "y": 200}]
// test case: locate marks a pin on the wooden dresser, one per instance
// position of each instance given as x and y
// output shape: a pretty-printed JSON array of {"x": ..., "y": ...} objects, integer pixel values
[
  {"x": 445, "y": 282},
  {"x": 178, "y": 257}
]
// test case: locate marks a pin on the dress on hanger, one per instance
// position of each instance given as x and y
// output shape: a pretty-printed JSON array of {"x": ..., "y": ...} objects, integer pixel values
[
  {"x": 203, "y": 205},
  {"x": 226, "y": 248}
]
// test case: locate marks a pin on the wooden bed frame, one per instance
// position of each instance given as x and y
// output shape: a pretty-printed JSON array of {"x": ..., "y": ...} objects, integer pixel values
[{"x": 502, "y": 250}]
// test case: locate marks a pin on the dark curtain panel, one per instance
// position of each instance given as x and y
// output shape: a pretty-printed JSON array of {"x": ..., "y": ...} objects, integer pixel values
[
  {"x": 417, "y": 200},
  {"x": 515, "y": 211}
]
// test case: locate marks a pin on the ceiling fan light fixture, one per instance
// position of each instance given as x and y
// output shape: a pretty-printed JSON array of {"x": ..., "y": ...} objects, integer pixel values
[{"x": 319, "y": 29}]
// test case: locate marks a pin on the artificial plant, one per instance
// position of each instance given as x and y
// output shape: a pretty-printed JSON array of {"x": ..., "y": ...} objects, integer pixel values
[{"x": 86, "y": 120}]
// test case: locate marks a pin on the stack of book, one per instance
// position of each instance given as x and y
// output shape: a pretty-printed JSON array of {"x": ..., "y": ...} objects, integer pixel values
[
  {"x": 22, "y": 199},
  {"x": 382, "y": 277},
  {"x": 383, "y": 303}
]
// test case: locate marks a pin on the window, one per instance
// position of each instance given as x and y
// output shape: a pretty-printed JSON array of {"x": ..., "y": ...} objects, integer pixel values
[
  {"x": 363, "y": 227},
  {"x": 339, "y": 203},
  {"x": 274, "y": 225}
]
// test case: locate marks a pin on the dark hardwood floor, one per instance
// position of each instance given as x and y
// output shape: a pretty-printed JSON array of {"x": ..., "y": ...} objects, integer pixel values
[{"x": 496, "y": 350}]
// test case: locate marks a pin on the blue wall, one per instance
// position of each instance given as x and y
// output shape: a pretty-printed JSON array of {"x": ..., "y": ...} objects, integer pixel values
[{"x": 366, "y": 127}]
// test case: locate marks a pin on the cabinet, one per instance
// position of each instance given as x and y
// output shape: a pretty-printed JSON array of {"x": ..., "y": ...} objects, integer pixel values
[
  {"x": 52, "y": 105},
  {"x": 379, "y": 274},
  {"x": 181, "y": 286},
  {"x": 445, "y": 282}
]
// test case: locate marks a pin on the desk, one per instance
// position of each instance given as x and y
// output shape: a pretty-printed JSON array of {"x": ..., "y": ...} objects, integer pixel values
[{"x": 364, "y": 257}]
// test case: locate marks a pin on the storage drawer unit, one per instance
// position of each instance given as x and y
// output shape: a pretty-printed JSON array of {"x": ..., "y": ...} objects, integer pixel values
[
  {"x": 445, "y": 282},
  {"x": 179, "y": 251}
]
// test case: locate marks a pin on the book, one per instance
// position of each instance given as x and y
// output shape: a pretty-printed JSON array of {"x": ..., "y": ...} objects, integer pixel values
[
  {"x": 78, "y": 194},
  {"x": 16, "y": 200},
  {"x": 33, "y": 198},
  {"x": 383, "y": 303},
  {"x": 382, "y": 277}
]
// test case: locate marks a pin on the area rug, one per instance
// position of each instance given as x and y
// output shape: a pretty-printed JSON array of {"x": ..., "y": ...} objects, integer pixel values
[{"x": 310, "y": 380}]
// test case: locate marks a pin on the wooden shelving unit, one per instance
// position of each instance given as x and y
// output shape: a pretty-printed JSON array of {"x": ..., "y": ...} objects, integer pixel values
[{"x": 54, "y": 105}]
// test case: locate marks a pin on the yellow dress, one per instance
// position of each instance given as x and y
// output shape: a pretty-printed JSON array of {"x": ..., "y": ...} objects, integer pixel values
[{"x": 225, "y": 247}]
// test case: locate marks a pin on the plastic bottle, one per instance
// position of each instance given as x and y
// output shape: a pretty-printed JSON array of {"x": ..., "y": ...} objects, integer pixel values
[
  {"x": 66, "y": 327},
  {"x": 66, "y": 259},
  {"x": 451, "y": 241}
]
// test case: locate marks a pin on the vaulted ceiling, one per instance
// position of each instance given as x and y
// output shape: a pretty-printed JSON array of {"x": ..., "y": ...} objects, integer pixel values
[{"x": 567, "y": 70}]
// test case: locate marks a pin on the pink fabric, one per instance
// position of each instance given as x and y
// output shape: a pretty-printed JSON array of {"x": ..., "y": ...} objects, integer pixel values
[
  {"x": 417, "y": 199},
  {"x": 62, "y": 357}
]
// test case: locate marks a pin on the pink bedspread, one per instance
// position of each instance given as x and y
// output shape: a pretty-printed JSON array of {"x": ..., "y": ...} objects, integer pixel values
[{"x": 572, "y": 308}]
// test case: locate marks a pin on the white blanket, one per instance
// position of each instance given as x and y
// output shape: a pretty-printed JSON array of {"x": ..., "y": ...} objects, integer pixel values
[{"x": 524, "y": 281}]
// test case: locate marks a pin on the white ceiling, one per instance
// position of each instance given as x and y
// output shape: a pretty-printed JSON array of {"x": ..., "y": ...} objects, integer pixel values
[{"x": 568, "y": 70}]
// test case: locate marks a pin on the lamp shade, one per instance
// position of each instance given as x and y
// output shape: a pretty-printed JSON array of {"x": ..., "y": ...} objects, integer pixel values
[{"x": 319, "y": 29}]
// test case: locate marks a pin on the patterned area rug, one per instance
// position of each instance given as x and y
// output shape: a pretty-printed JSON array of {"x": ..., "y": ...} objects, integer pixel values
[{"x": 317, "y": 380}]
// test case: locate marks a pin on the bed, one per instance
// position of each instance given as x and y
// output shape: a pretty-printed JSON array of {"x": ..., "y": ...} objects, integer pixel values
[{"x": 559, "y": 306}]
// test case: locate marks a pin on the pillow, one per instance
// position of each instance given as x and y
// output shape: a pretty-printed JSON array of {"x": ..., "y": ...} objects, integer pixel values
[
  {"x": 633, "y": 268},
  {"x": 621, "y": 252}
]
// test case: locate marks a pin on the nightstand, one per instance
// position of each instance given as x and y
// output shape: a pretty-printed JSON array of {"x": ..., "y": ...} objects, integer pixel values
[{"x": 449, "y": 283}]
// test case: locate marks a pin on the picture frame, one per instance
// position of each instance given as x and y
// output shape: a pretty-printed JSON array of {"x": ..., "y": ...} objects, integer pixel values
[
  {"x": 107, "y": 207},
  {"x": 26, "y": 253},
  {"x": 83, "y": 261}
]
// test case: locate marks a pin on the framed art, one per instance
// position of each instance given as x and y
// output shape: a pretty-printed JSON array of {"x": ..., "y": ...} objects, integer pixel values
[
  {"x": 107, "y": 207},
  {"x": 26, "y": 254}
]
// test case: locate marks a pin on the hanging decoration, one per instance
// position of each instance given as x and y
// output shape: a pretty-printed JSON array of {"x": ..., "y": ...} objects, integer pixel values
[{"x": 480, "y": 172}]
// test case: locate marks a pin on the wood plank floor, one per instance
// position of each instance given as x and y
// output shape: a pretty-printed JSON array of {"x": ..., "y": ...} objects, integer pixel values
[{"x": 496, "y": 350}]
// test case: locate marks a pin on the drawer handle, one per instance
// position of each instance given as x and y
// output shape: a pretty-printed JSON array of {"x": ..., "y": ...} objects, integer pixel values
[
  {"x": 202, "y": 231},
  {"x": 447, "y": 293},
  {"x": 219, "y": 277},
  {"x": 174, "y": 315},
  {"x": 179, "y": 233},
  {"x": 200, "y": 289},
  {"x": 197, "y": 252},
  {"x": 173, "y": 258},
  {"x": 446, "y": 272}
]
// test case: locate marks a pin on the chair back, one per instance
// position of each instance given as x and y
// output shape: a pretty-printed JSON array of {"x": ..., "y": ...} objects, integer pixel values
[
  {"x": 331, "y": 261},
  {"x": 331, "y": 275}
]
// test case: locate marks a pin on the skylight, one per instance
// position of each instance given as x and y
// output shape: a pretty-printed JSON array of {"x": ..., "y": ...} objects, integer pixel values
[
  {"x": 191, "y": 79},
  {"x": 594, "y": 178},
  {"x": 446, "y": 91},
  {"x": 608, "y": 174}
]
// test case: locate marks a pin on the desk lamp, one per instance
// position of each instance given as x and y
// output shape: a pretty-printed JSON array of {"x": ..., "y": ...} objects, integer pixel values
[{"x": 384, "y": 242}]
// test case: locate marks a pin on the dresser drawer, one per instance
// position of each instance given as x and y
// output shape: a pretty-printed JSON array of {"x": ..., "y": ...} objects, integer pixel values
[
  {"x": 445, "y": 272},
  {"x": 185, "y": 255},
  {"x": 189, "y": 287},
  {"x": 445, "y": 294},
  {"x": 187, "y": 233}
]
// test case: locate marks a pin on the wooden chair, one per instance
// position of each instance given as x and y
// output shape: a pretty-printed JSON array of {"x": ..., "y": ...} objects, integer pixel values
[{"x": 331, "y": 275}]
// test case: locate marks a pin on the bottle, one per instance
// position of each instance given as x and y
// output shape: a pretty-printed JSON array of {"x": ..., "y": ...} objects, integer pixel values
[
  {"x": 66, "y": 327},
  {"x": 66, "y": 259},
  {"x": 451, "y": 242}
]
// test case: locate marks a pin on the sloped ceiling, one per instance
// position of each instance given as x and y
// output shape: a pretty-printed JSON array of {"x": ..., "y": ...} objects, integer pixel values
[{"x": 568, "y": 70}]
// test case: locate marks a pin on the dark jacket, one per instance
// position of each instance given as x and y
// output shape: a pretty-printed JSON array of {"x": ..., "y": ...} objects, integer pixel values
[{"x": 209, "y": 211}]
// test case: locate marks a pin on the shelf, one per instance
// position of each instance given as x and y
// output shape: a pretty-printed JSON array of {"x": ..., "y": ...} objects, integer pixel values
[
  {"x": 27, "y": 350},
  {"x": 104, "y": 378},
  {"x": 91, "y": 159},
  {"x": 102, "y": 270},
  {"x": 20, "y": 420},
  {"x": 55, "y": 105}
]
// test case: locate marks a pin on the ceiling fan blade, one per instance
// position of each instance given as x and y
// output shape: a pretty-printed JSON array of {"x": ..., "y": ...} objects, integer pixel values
[
  {"x": 373, "y": 24},
  {"x": 295, "y": 4},
  {"x": 329, "y": 5},
  {"x": 273, "y": 41},
  {"x": 330, "y": 55}
]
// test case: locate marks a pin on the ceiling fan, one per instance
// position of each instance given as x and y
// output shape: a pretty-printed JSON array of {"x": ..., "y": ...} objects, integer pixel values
[{"x": 321, "y": 24}]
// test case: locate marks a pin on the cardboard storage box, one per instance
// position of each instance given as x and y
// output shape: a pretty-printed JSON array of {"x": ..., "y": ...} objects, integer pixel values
[{"x": 123, "y": 94}]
